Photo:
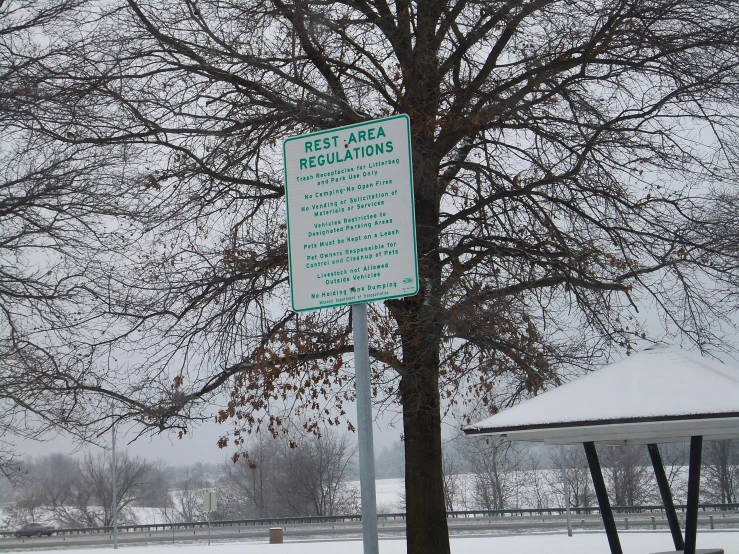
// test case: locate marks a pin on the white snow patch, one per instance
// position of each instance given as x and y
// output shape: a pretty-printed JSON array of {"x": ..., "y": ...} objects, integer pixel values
[
  {"x": 390, "y": 495},
  {"x": 655, "y": 382},
  {"x": 581, "y": 543}
]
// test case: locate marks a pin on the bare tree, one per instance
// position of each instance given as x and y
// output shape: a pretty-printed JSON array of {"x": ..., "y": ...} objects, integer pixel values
[
  {"x": 314, "y": 470},
  {"x": 452, "y": 478},
  {"x": 186, "y": 497},
  {"x": 391, "y": 462},
  {"x": 538, "y": 492},
  {"x": 578, "y": 477},
  {"x": 157, "y": 488},
  {"x": 57, "y": 476},
  {"x": 629, "y": 475},
  {"x": 286, "y": 477},
  {"x": 675, "y": 457},
  {"x": 52, "y": 222},
  {"x": 720, "y": 471},
  {"x": 496, "y": 467},
  {"x": 46, "y": 482},
  {"x": 90, "y": 503},
  {"x": 250, "y": 485},
  {"x": 6, "y": 488},
  {"x": 558, "y": 188},
  {"x": 27, "y": 505}
]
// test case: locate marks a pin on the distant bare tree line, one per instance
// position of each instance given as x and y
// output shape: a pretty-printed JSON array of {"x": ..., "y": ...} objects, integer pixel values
[
  {"x": 284, "y": 478},
  {"x": 310, "y": 476},
  {"x": 313, "y": 477},
  {"x": 504, "y": 475},
  {"x": 79, "y": 493}
]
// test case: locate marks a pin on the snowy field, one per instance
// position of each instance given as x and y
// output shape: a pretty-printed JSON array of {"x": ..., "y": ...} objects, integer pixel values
[
  {"x": 580, "y": 543},
  {"x": 389, "y": 493},
  {"x": 391, "y": 497}
]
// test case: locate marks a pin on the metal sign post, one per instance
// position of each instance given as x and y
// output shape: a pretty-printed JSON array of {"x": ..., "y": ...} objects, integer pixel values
[
  {"x": 351, "y": 236},
  {"x": 209, "y": 506},
  {"x": 364, "y": 429}
]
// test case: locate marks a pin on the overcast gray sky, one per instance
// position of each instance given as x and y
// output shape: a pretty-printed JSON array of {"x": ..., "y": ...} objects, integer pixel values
[{"x": 199, "y": 445}]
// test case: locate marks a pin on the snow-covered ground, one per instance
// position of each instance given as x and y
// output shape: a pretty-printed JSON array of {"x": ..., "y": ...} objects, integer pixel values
[
  {"x": 581, "y": 543},
  {"x": 389, "y": 493}
]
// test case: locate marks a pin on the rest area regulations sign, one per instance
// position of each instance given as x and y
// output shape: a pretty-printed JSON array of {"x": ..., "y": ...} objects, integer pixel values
[{"x": 350, "y": 215}]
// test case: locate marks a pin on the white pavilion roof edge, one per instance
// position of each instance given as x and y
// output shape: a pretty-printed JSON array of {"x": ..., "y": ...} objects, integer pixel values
[{"x": 501, "y": 430}]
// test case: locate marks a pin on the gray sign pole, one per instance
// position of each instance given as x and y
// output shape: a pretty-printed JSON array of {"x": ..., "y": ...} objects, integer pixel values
[
  {"x": 567, "y": 489},
  {"x": 209, "y": 510},
  {"x": 364, "y": 429}
]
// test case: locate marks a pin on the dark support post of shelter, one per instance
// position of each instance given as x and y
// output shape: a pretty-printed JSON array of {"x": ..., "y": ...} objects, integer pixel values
[
  {"x": 664, "y": 491},
  {"x": 694, "y": 478},
  {"x": 603, "y": 503}
]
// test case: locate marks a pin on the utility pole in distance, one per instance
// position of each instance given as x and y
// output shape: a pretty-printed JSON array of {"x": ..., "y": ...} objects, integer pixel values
[{"x": 115, "y": 487}]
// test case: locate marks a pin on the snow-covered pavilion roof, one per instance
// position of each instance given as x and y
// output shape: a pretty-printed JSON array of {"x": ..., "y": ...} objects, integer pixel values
[{"x": 661, "y": 394}]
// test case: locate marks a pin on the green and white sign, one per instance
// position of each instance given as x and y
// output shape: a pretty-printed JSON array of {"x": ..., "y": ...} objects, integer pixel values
[{"x": 350, "y": 215}]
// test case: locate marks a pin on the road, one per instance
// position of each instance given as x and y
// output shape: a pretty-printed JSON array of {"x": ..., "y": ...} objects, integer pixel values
[{"x": 390, "y": 528}]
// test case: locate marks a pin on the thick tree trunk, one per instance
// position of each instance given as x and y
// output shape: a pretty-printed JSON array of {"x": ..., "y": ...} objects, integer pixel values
[{"x": 426, "y": 524}]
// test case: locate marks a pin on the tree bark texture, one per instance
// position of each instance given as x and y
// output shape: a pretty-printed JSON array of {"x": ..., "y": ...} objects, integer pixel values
[{"x": 419, "y": 386}]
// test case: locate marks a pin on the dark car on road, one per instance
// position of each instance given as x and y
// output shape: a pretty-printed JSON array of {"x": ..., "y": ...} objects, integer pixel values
[{"x": 35, "y": 530}]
